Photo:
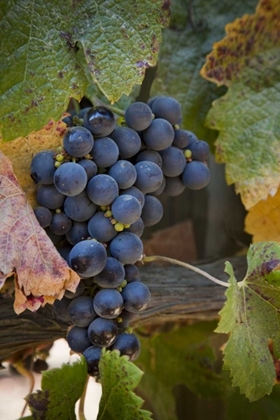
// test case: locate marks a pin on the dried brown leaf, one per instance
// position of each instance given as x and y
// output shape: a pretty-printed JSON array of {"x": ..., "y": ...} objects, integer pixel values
[{"x": 41, "y": 275}]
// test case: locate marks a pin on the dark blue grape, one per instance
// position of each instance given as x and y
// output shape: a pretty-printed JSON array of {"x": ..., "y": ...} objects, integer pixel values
[
  {"x": 173, "y": 161},
  {"x": 160, "y": 189},
  {"x": 49, "y": 197},
  {"x": 196, "y": 175},
  {"x": 124, "y": 173},
  {"x": 152, "y": 211},
  {"x": 88, "y": 258},
  {"x": 167, "y": 108},
  {"x": 136, "y": 296},
  {"x": 78, "y": 141},
  {"x": 79, "y": 291},
  {"x": 181, "y": 138},
  {"x": 92, "y": 355},
  {"x": 70, "y": 179},
  {"x": 77, "y": 339},
  {"x": 81, "y": 311},
  {"x": 108, "y": 303},
  {"x": 149, "y": 176},
  {"x": 127, "y": 140},
  {"x": 200, "y": 150},
  {"x": 60, "y": 224},
  {"x": 137, "y": 227},
  {"x": 56, "y": 239},
  {"x": 125, "y": 318},
  {"x": 89, "y": 166},
  {"x": 126, "y": 247},
  {"x": 105, "y": 152},
  {"x": 102, "y": 189},
  {"x": 60, "y": 309},
  {"x": 173, "y": 186},
  {"x": 112, "y": 274},
  {"x": 78, "y": 232},
  {"x": 128, "y": 345},
  {"x": 135, "y": 192},
  {"x": 102, "y": 332},
  {"x": 101, "y": 228},
  {"x": 100, "y": 121},
  {"x": 43, "y": 215},
  {"x": 159, "y": 135},
  {"x": 138, "y": 116},
  {"x": 79, "y": 207},
  {"x": 150, "y": 155},
  {"x": 131, "y": 272},
  {"x": 42, "y": 167},
  {"x": 126, "y": 209}
]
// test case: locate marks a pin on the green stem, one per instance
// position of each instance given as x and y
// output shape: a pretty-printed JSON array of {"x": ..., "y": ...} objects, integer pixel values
[
  {"x": 186, "y": 265},
  {"x": 81, "y": 411}
]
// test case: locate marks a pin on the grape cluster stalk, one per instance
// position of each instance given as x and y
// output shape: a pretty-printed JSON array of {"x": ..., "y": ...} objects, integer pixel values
[{"x": 96, "y": 193}]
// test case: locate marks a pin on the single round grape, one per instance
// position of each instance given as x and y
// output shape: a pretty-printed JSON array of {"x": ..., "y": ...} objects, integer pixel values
[
  {"x": 60, "y": 309},
  {"x": 200, "y": 150},
  {"x": 101, "y": 228},
  {"x": 77, "y": 339},
  {"x": 181, "y": 138},
  {"x": 126, "y": 247},
  {"x": 136, "y": 296},
  {"x": 127, "y": 140},
  {"x": 92, "y": 355},
  {"x": 89, "y": 166},
  {"x": 174, "y": 186},
  {"x": 167, "y": 108},
  {"x": 102, "y": 189},
  {"x": 112, "y": 274},
  {"x": 137, "y": 227},
  {"x": 125, "y": 318},
  {"x": 173, "y": 161},
  {"x": 100, "y": 121},
  {"x": 88, "y": 258},
  {"x": 196, "y": 175},
  {"x": 126, "y": 209},
  {"x": 135, "y": 192},
  {"x": 150, "y": 155},
  {"x": 159, "y": 135},
  {"x": 48, "y": 196},
  {"x": 128, "y": 345},
  {"x": 70, "y": 179},
  {"x": 42, "y": 167},
  {"x": 160, "y": 189},
  {"x": 77, "y": 233},
  {"x": 79, "y": 207},
  {"x": 138, "y": 116},
  {"x": 81, "y": 311},
  {"x": 102, "y": 332},
  {"x": 149, "y": 176},
  {"x": 43, "y": 215},
  {"x": 124, "y": 173},
  {"x": 152, "y": 211},
  {"x": 60, "y": 224},
  {"x": 105, "y": 152},
  {"x": 79, "y": 291},
  {"x": 108, "y": 303},
  {"x": 78, "y": 141},
  {"x": 131, "y": 272}
]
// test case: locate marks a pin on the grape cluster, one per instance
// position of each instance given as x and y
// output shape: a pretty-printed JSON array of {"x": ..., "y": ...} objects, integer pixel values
[{"x": 96, "y": 194}]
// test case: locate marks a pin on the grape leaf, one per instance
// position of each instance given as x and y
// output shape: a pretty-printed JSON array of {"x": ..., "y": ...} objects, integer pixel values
[
  {"x": 262, "y": 220},
  {"x": 61, "y": 388},
  {"x": 41, "y": 274},
  {"x": 194, "y": 27},
  {"x": 247, "y": 60},
  {"x": 42, "y": 68},
  {"x": 119, "y": 377},
  {"x": 252, "y": 315},
  {"x": 21, "y": 150}
]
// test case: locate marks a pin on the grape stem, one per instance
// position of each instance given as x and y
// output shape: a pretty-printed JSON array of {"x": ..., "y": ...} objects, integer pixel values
[
  {"x": 186, "y": 265},
  {"x": 114, "y": 109}
]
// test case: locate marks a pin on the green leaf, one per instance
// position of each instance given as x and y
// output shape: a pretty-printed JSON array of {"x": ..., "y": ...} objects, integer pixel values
[
  {"x": 185, "y": 356},
  {"x": 194, "y": 27},
  {"x": 61, "y": 388},
  {"x": 251, "y": 316},
  {"x": 247, "y": 60},
  {"x": 119, "y": 377},
  {"x": 42, "y": 68}
]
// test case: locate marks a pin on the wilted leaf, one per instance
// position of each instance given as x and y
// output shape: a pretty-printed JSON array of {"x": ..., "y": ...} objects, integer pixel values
[
  {"x": 247, "y": 60},
  {"x": 194, "y": 27},
  {"x": 263, "y": 221},
  {"x": 119, "y": 378},
  {"x": 251, "y": 316},
  {"x": 22, "y": 149},
  {"x": 41, "y": 44},
  {"x": 61, "y": 389},
  {"x": 41, "y": 274}
]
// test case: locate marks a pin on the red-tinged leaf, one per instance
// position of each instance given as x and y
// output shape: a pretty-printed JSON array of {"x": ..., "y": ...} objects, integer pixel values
[{"x": 41, "y": 275}]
